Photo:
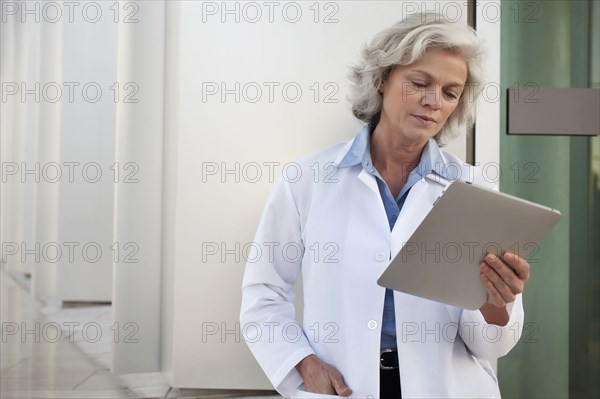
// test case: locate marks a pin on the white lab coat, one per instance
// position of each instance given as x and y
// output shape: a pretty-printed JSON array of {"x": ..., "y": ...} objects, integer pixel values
[{"x": 331, "y": 224}]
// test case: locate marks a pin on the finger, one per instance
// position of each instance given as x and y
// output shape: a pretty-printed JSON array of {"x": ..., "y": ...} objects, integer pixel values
[
  {"x": 506, "y": 273},
  {"x": 519, "y": 265},
  {"x": 339, "y": 385},
  {"x": 494, "y": 296},
  {"x": 501, "y": 287}
]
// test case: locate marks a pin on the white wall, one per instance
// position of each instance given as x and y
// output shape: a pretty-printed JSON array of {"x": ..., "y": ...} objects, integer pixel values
[
  {"x": 88, "y": 137},
  {"x": 138, "y": 204},
  {"x": 46, "y": 215},
  {"x": 216, "y": 212},
  {"x": 487, "y": 143},
  {"x": 16, "y": 68},
  {"x": 188, "y": 216},
  {"x": 51, "y": 211}
]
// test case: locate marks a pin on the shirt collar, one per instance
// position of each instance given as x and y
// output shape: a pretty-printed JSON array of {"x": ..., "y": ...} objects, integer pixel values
[
  {"x": 360, "y": 153},
  {"x": 357, "y": 150}
]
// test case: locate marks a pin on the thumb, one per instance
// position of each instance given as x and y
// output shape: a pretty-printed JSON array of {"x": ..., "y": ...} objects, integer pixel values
[{"x": 339, "y": 385}]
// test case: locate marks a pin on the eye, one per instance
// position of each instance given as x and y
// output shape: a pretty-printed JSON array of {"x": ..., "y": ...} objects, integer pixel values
[
  {"x": 451, "y": 95},
  {"x": 419, "y": 84}
]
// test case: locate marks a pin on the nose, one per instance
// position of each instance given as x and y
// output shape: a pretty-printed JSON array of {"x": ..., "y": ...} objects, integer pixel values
[{"x": 431, "y": 98}]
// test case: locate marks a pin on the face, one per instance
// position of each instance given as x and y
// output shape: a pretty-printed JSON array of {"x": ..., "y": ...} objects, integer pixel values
[{"x": 418, "y": 98}]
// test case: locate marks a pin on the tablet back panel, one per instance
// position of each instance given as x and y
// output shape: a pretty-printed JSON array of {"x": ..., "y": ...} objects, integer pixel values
[{"x": 440, "y": 261}]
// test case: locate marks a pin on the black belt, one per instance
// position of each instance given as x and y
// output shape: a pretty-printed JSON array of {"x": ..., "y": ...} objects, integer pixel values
[{"x": 388, "y": 360}]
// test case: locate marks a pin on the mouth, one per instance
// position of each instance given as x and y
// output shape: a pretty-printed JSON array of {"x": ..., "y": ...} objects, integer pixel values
[{"x": 424, "y": 118}]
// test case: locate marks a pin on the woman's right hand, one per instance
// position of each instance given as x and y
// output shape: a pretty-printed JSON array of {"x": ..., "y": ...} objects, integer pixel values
[{"x": 320, "y": 377}]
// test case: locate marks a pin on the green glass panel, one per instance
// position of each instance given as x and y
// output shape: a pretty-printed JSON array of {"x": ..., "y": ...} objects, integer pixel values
[{"x": 554, "y": 44}]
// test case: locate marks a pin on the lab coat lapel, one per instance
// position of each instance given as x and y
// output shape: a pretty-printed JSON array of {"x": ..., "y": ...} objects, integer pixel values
[
  {"x": 369, "y": 180},
  {"x": 418, "y": 203}
]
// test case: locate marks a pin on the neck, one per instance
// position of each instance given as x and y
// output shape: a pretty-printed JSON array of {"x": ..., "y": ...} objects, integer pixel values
[{"x": 391, "y": 151}]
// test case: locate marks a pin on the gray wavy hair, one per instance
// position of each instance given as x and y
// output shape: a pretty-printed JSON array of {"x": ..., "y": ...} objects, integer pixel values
[{"x": 404, "y": 43}]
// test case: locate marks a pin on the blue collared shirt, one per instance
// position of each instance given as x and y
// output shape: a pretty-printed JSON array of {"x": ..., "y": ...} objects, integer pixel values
[{"x": 431, "y": 160}]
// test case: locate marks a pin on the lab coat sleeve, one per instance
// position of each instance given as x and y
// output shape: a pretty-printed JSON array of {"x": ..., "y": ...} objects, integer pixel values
[
  {"x": 489, "y": 341},
  {"x": 268, "y": 312}
]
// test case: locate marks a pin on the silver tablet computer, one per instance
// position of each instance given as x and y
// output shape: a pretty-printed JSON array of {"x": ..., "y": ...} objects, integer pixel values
[{"x": 440, "y": 261}]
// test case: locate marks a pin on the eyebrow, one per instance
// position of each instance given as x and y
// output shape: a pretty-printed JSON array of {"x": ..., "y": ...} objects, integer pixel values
[{"x": 462, "y": 86}]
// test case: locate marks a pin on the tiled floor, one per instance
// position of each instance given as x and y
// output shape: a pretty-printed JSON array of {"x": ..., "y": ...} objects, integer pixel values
[{"x": 43, "y": 353}]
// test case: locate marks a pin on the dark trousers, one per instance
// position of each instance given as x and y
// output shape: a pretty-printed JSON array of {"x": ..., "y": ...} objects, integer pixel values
[{"x": 389, "y": 384}]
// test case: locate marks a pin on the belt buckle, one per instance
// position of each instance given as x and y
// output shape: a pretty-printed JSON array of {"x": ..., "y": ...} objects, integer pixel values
[{"x": 382, "y": 360}]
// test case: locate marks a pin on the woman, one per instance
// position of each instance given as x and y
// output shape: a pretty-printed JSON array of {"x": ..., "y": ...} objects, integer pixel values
[{"x": 349, "y": 212}]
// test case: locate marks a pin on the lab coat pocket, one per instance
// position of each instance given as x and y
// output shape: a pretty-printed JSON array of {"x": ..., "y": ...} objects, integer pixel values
[{"x": 304, "y": 394}]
